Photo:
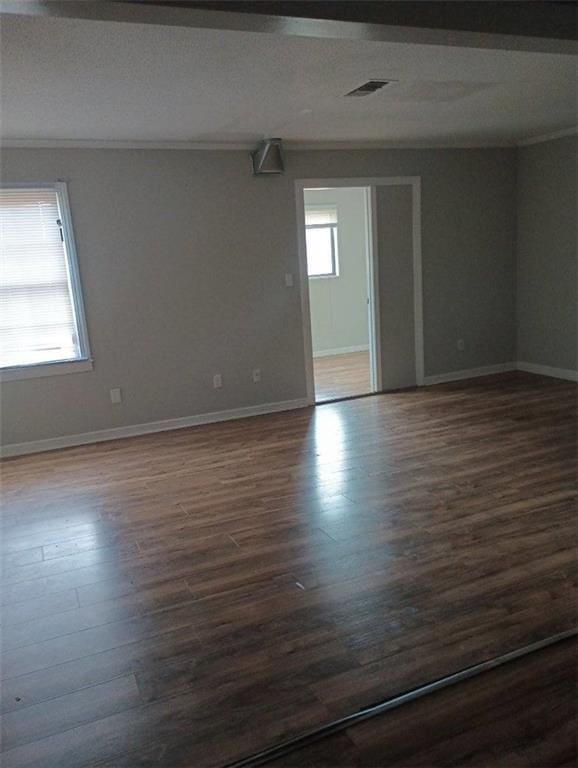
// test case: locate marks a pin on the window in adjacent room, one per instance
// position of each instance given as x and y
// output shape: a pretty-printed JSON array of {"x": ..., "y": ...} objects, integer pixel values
[
  {"x": 321, "y": 239},
  {"x": 42, "y": 327}
]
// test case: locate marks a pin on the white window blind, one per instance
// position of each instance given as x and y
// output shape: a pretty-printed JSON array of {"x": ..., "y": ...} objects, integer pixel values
[
  {"x": 39, "y": 308},
  {"x": 317, "y": 217}
]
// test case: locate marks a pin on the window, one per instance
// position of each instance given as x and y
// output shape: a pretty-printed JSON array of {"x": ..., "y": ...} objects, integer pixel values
[
  {"x": 41, "y": 313},
  {"x": 321, "y": 239}
]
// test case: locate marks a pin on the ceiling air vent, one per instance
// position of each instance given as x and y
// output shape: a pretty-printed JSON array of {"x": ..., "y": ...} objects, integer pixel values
[{"x": 371, "y": 86}]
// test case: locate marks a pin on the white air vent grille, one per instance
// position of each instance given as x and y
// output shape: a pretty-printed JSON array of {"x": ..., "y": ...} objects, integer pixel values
[{"x": 371, "y": 86}]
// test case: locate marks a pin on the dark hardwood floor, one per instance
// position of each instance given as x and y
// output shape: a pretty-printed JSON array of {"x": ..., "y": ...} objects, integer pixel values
[
  {"x": 525, "y": 713},
  {"x": 189, "y": 598}
]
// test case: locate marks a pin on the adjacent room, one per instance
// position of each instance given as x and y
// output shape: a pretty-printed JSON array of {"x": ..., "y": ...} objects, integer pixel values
[
  {"x": 338, "y": 232},
  {"x": 288, "y": 384}
]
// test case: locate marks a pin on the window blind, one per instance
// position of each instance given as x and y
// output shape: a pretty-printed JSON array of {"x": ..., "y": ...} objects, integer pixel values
[
  {"x": 37, "y": 310},
  {"x": 317, "y": 217}
]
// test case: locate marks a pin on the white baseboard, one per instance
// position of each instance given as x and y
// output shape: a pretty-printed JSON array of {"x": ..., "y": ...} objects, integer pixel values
[
  {"x": 488, "y": 370},
  {"x": 469, "y": 373},
  {"x": 547, "y": 370},
  {"x": 117, "y": 433},
  {"x": 341, "y": 351}
]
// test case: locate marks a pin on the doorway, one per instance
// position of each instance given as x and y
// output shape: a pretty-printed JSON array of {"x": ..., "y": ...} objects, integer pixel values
[
  {"x": 341, "y": 300},
  {"x": 393, "y": 286}
]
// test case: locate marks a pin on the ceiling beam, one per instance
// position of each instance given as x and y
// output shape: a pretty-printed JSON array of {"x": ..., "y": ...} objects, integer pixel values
[
  {"x": 169, "y": 15},
  {"x": 528, "y": 18}
]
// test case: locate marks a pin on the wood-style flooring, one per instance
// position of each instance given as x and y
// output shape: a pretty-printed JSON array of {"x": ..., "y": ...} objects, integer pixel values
[
  {"x": 338, "y": 376},
  {"x": 523, "y": 714},
  {"x": 189, "y": 598}
]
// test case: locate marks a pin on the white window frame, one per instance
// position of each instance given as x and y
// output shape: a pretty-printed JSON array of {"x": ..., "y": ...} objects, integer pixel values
[
  {"x": 85, "y": 362},
  {"x": 333, "y": 227}
]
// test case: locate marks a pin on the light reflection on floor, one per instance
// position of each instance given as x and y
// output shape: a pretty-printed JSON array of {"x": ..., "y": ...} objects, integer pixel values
[{"x": 329, "y": 436}]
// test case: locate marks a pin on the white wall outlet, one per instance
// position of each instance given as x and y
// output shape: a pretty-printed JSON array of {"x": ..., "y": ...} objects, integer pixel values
[
  {"x": 217, "y": 381},
  {"x": 461, "y": 345},
  {"x": 289, "y": 280},
  {"x": 115, "y": 396},
  {"x": 257, "y": 375}
]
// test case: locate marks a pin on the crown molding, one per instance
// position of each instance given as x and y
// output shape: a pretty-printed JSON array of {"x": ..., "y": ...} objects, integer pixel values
[
  {"x": 382, "y": 145},
  {"x": 288, "y": 146},
  {"x": 296, "y": 146},
  {"x": 548, "y": 136},
  {"x": 113, "y": 144}
]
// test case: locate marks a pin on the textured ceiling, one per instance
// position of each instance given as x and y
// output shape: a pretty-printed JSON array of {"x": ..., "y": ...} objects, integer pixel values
[{"x": 75, "y": 79}]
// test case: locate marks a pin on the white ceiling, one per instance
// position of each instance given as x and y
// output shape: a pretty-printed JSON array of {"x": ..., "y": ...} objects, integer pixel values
[{"x": 99, "y": 80}]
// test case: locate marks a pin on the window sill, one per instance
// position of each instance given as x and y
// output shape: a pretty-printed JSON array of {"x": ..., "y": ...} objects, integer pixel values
[
  {"x": 42, "y": 370},
  {"x": 323, "y": 277}
]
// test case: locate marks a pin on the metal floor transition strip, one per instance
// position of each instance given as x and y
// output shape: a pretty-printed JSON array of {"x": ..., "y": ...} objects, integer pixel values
[{"x": 292, "y": 745}]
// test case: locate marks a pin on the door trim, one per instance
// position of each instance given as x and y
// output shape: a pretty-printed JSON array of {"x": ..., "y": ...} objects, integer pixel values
[
  {"x": 368, "y": 182},
  {"x": 373, "y": 290}
]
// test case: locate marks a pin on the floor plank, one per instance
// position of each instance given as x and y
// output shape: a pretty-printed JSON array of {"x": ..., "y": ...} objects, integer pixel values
[
  {"x": 523, "y": 714},
  {"x": 343, "y": 375}
]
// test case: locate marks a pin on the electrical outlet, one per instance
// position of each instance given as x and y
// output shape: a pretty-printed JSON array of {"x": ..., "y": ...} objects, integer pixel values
[
  {"x": 257, "y": 375},
  {"x": 115, "y": 396},
  {"x": 461, "y": 345},
  {"x": 217, "y": 381},
  {"x": 289, "y": 280}
]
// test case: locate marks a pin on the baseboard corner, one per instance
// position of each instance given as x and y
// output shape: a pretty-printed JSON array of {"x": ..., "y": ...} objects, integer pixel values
[{"x": 567, "y": 374}]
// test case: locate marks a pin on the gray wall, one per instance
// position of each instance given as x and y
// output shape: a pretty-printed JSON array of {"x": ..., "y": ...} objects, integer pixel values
[
  {"x": 183, "y": 255},
  {"x": 468, "y": 244},
  {"x": 397, "y": 322},
  {"x": 339, "y": 304},
  {"x": 546, "y": 256}
]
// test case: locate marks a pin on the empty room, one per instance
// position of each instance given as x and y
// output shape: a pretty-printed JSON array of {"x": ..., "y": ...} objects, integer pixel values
[{"x": 288, "y": 384}]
